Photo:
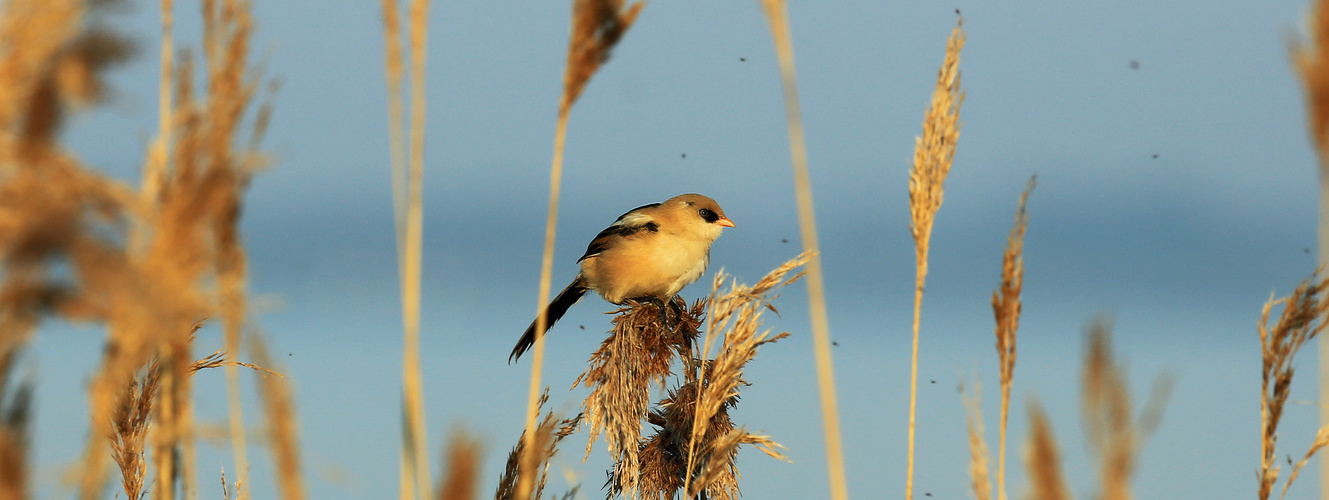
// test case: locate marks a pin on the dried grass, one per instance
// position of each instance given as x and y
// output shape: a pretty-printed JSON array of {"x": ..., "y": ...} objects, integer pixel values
[
  {"x": 777, "y": 18},
  {"x": 1310, "y": 59},
  {"x": 695, "y": 441},
  {"x": 408, "y": 194},
  {"x": 933, "y": 154},
  {"x": 1006, "y": 308},
  {"x": 1302, "y": 319},
  {"x": 146, "y": 264},
  {"x": 1311, "y": 62},
  {"x": 463, "y": 469},
  {"x": 15, "y": 416},
  {"x": 1042, "y": 459},
  {"x": 637, "y": 355},
  {"x": 978, "y": 448},
  {"x": 281, "y": 426},
  {"x": 535, "y": 465},
  {"x": 597, "y": 25},
  {"x": 1115, "y": 435}
]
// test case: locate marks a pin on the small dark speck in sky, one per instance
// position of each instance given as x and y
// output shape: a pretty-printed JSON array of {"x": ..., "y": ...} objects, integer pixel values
[
  {"x": 685, "y": 156},
  {"x": 834, "y": 343},
  {"x": 784, "y": 240},
  {"x": 583, "y": 327},
  {"x": 1135, "y": 64},
  {"x": 934, "y": 381},
  {"x": 1306, "y": 250},
  {"x": 742, "y": 59},
  {"x": 1155, "y": 156}
]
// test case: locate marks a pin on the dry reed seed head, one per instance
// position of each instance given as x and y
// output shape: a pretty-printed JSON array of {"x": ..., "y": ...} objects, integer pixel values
[
  {"x": 1301, "y": 320},
  {"x": 460, "y": 478},
  {"x": 978, "y": 450},
  {"x": 1042, "y": 460},
  {"x": 1310, "y": 59},
  {"x": 549, "y": 433},
  {"x": 1115, "y": 433},
  {"x": 597, "y": 25},
  {"x": 935, "y": 149},
  {"x": 1321, "y": 440},
  {"x": 639, "y": 353},
  {"x": 15, "y": 415}
]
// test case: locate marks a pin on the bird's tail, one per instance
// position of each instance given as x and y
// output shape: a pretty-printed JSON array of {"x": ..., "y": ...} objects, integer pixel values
[{"x": 556, "y": 309}]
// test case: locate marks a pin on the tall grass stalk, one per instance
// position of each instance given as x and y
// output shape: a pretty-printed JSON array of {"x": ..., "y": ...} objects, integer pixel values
[
  {"x": 777, "y": 17},
  {"x": 1310, "y": 59},
  {"x": 408, "y": 194},
  {"x": 597, "y": 25},
  {"x": 1302, "y": 319},
  {"x": 933, "y": 153},
  {"x": 1006, "y": 308}
]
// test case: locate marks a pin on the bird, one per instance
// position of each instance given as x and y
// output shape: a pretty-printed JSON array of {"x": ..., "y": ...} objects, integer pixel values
[{"x": 648, "y": 254}]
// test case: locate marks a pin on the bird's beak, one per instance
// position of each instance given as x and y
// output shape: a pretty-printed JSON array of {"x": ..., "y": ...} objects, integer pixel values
[{"x": 724, "y": 221}]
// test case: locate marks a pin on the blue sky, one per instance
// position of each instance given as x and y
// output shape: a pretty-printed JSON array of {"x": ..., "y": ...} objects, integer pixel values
[{"x": 1174, "y": 195}]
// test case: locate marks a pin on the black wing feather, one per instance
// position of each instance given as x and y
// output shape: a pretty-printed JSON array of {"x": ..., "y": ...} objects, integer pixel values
[{"x": 601, "y": 241}]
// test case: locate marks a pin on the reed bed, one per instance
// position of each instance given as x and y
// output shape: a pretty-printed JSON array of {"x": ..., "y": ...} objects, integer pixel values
[
  {"x": 147, "y": 264},
  {"x": 152, "y": 263}
]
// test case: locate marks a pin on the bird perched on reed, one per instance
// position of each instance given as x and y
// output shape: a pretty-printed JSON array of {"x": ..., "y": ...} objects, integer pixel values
[{"x": 649, "y": 254}]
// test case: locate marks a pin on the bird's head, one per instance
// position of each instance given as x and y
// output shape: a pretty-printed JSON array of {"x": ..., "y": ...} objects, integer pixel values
[{"x": 701, "y": 213}]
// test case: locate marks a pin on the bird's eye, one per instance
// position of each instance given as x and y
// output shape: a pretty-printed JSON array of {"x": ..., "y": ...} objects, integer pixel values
[{"x": 708, "y": 215}]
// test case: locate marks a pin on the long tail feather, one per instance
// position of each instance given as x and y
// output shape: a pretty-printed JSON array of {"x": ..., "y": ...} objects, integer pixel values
[{"x": 556, "y": 309}]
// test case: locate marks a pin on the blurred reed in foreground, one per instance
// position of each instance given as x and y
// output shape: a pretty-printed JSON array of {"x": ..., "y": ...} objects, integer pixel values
[
  {"x": 597, "y": 25},
  {"x": 148, "y": 264},
  {"x": 1310, "y": 59},
  {"x": 777, "y": 18},
  {"x": 408, "y": 205},
  {"x": 1116, "y": 435}
]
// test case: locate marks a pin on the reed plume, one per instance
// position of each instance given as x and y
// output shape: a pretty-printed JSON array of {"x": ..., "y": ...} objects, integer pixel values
[
  {"x": 1006, "y": 308},
  {"x": 1302, "y": 319},
  {"x": 1310, "y": 60},
  {"x": 979, "y": 477},
  {"x": 535, "y": 464},
  {"x": 463, "y": 469},
  {"x": 1043, "y": 460},
  {"x": 637, "y": 355},
  {"x": 933, "y": 154},
  {"x": 1115, "y": 434},
  {"x": 146, "y": 264},
  {"x": 695, "y": 442},
  {"x": 597, "y": 25}
]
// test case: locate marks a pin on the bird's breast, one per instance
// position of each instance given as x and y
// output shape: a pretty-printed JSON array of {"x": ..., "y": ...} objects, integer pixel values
[{"x": 646, "y": 267}]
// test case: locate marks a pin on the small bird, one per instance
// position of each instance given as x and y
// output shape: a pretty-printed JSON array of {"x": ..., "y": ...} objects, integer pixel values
[{"x": 648, "y": 254}]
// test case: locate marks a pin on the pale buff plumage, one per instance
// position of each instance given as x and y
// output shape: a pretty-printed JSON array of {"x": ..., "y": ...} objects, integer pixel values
[{"x": 649, "y": 253}]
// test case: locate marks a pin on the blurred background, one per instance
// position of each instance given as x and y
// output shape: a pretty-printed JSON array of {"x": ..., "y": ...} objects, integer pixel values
[{"x": 1176, "y": 191}]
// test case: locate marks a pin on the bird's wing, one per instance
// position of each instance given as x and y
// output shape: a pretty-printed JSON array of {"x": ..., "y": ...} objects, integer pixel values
[{"x": 635, "y": 220}]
